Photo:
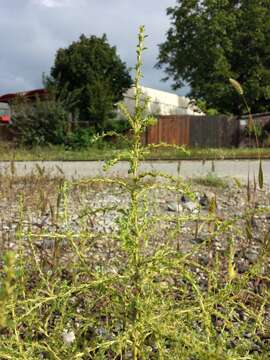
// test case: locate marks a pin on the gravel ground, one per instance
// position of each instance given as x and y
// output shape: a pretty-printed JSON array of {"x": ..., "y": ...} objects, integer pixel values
[
  {"x": 183, "y": 220},
  {"x": 202, "y": 221}
]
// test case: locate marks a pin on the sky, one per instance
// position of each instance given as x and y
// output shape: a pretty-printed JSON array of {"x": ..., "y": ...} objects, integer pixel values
[{"x": 33, "y": 30}]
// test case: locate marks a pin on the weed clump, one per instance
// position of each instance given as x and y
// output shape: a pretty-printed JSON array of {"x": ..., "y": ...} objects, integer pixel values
[{"x": 212, "y": 180}]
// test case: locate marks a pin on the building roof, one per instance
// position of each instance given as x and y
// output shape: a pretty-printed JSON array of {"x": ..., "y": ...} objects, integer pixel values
[
  {"x": 27, "y": 94},
  {"x": 161, "y": 102}
]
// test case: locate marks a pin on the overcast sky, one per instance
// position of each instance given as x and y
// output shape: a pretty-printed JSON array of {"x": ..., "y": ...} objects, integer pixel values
[{"x": 33, "y": 30}]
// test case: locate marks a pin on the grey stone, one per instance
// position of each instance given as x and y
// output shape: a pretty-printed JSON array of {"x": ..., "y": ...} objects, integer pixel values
[
  {"x": 242, "y": 267},
  {"x": 204, "y": 201},
  {"x": 251, "y": 255},
  {"x": 174, "y": 207},
  {"x": 192, "y": 207},
  {"x": 47, "y": 244},
  {"x": 204, "y": 260}
]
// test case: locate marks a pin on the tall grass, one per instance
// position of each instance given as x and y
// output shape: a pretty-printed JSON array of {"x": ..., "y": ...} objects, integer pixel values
[{"x": 140, "y": 291}]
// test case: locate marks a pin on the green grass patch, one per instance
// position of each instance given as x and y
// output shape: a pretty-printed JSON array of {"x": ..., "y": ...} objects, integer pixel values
[
  {"x": 109, "y": 151},
  {"x": 211, "y": 180}
]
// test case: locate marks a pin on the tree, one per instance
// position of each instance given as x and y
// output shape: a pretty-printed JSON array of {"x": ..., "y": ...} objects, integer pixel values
[
  {"x": 92, "y": 68},
  {"x": 210, "y": 41}
]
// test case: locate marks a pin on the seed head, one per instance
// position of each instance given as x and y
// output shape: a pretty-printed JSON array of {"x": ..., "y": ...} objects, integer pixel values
[
  {"x": 68, "y": 337},
  {"x": 237, "y": 86}
]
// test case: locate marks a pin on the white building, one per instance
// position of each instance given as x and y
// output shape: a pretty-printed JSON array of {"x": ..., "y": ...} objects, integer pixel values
[{"x": 163, "y": 102}]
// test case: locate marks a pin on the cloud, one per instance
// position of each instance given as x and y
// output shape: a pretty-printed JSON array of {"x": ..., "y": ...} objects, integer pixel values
[{"x": 52, "y": 3}]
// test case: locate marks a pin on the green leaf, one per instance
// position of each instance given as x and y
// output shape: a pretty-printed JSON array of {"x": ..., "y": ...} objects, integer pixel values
[{"x": 260, "y": 176}]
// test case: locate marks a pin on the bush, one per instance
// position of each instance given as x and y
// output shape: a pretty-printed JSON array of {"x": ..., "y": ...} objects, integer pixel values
[
  {"x": 39, "y": 123},
  {"x": 80, "y": 138},
  {"x": 120, "y": 125},
  {"x": 86, "y": 138}
]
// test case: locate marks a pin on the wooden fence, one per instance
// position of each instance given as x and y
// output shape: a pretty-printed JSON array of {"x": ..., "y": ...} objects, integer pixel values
[{"x": 194, "y": 131}]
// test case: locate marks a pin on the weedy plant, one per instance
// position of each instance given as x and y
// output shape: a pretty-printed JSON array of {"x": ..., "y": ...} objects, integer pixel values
[
  {"x": 145, "y": 289},
  {"x": 212, "y": 180},
  {"x": 252, "y": 127}
]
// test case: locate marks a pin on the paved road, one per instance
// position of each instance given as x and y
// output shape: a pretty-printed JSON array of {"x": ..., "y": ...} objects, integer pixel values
[{"x": 188, "y": 168}]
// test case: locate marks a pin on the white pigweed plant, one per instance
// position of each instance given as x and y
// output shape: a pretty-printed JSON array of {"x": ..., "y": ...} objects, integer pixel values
[{"x": 102, "y": 269}]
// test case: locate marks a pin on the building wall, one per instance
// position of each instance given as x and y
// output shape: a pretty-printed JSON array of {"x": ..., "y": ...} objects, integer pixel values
[{"x": 162, "y": 103}]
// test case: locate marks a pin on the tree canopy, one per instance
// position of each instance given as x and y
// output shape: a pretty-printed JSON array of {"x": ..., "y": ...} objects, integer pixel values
[
  {"x": 210, "y": 41},
  {"x": 93, "y": 69}
]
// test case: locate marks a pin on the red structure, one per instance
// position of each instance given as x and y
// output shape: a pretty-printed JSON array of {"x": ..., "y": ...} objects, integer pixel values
[
  {"x": 5, "y": 116},
  {"x": 6, "y": 100},
  {"x": 31, "y": 95}
]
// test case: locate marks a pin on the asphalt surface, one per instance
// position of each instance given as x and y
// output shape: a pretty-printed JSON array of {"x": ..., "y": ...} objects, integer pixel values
[{"x": 188, "y": 168}]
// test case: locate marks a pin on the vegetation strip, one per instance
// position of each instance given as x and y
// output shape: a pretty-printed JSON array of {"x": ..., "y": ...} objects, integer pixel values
[{"x": 59, "y": 153}]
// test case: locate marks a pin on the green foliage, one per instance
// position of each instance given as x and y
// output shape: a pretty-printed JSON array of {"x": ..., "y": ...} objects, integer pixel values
[
  {"x": 260, "y": 175},
  {"x": 255, "y": 131},
  {"x": 119, "y": 125},
  {"x": 92, "y": 68},
  {"x": 211, "y": 41},
  {"x": 39, "y": 123},
  {"x": 204, "y": 107},
  {"x": 79, "y": 138},
  {"x": 6, "y": 287}
]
